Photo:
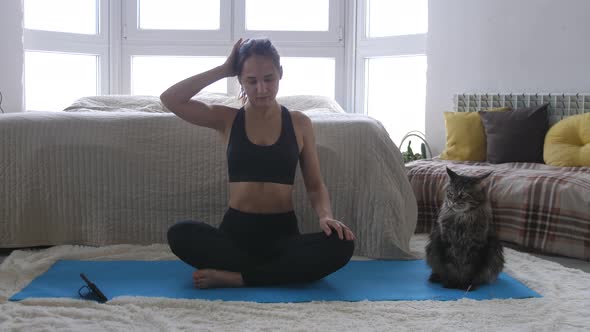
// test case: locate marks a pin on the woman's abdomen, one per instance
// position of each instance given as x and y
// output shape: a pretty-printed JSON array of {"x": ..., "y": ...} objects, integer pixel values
[{"x": 258, "y": 197}]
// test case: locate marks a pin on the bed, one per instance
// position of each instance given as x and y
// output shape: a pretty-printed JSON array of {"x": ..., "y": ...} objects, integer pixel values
[
  {"x": 537, "y": 207},
  {"x": 122, "y": 169}
]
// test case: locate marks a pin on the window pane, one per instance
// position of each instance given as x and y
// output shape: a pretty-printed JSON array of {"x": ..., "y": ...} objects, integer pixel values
[
  {"x": 75, "y": 16},
  {"x": 396, "y": 93},
  {"x": 396, "y": 17},
  {"x": 293, "y": 15},
  {"x": 308, "y": 76},
  {"x": 179, "y": 14},
  {"x": 151, "y": 75},
  {"x": 54, "y": 80}
]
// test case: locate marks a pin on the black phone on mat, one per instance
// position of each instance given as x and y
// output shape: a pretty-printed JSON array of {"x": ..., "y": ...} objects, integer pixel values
[{"x": 95, "y": 290}]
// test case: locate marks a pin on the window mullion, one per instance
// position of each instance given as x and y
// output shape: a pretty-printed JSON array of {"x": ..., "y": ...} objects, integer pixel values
[{"x": 115, "y": 23}]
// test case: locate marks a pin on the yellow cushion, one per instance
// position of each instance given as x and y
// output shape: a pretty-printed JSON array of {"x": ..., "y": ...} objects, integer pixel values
[
  {"x": 567, "y": 142},
  {"x": 466, "y": 138}
]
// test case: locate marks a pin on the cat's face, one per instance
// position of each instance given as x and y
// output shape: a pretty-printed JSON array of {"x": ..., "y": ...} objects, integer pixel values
[{"x": 464, "y": 193}]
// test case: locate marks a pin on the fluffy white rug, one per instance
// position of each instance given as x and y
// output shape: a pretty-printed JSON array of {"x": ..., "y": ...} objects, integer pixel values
[{"x": 565, "y": 304}]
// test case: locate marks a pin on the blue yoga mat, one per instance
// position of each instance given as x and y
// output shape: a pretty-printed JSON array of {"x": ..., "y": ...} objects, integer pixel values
[{"x": 376, "y": 280}]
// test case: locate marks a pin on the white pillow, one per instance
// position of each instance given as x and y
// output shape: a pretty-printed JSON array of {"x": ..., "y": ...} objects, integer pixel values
[
  {"x": 136, "y": 103},
  {"x": 309, "y": 102},
  {"x": 117, "y": 103}
]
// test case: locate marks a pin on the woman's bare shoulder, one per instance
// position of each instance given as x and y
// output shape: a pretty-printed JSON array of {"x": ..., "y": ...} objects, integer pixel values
[
  {"x": 301, "y": 121},
  {"x": 299, "y": 117},
  {"x": 302, "y": 126},
  {"x": 229, "y": 115}
]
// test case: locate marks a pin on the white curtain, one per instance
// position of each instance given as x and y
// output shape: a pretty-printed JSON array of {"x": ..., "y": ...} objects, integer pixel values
[{"x": 11, "y": 55}]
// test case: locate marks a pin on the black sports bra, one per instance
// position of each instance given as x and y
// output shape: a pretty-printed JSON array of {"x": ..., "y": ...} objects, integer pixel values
[{"x": 249, "y": 162}]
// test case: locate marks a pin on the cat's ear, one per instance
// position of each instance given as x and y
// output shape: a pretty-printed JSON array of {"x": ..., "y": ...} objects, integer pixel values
[{"x": 451, "y": 173}]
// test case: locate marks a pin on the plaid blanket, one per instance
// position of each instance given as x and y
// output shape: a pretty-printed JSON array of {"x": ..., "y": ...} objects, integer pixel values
[{"x": 538, "y": 207}]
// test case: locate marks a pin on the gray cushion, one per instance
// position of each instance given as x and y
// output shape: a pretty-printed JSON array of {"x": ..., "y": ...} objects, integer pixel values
[{"x": 517, "y": 135}]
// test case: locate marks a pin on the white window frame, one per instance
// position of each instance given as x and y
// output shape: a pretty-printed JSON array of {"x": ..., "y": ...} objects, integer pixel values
[
  {"x": 116, "y": 42},
  {"x": 73, "y": 43},
  {"x": 131, "y": 31},
  {"x": 288, "y": 50},
  {"x": 333, "y": 37},
  {"x": 136, "y": 42},
  {"x": 143, "y": 50},
  {"x": 378, "y": 47}
]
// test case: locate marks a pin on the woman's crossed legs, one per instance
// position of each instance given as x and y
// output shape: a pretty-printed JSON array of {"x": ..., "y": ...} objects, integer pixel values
[{"x": 256, "y": 250}]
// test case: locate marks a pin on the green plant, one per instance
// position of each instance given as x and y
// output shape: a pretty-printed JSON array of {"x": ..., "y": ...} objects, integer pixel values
[{"x": 409, "y": 154}]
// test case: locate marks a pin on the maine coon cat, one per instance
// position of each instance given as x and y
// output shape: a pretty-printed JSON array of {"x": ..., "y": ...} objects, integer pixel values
[{"x": 463, "y": 249}]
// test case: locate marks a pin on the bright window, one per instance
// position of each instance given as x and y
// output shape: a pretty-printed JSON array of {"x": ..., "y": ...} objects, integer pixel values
[
  {"x": 151, "y": 75},
  {"x": 54, "y": 80},
  {"x": 294, "y": 15},
  {"x": 396, "y": 93},
  {"x": 49, "y": 15},
  {"x": 179, "y": 14},
  {"x": 396, "y": 17},
  {"x": 391, "y": 64},
  {"x": 144, "y": 46},
  {"x": 308, "y": 76}
]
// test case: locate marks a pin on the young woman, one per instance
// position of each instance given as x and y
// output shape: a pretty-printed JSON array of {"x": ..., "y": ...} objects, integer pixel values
[{"x": 258, "y": 242}]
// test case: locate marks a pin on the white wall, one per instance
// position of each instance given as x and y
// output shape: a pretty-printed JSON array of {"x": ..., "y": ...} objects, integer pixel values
[
  {"x": 503, "y": 46},
  {"x": 11, "y": 55}
]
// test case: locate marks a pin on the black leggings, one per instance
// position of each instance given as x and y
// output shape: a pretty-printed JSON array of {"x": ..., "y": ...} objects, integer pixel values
[{"x": 267, "y": 249}]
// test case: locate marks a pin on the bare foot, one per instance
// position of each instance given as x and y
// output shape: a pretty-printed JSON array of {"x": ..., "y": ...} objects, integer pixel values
[{"x": 210, "y": 278}]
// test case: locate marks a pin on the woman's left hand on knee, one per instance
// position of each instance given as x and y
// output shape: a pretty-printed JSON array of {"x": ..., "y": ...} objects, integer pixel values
[{"x": 327, "y": 224}]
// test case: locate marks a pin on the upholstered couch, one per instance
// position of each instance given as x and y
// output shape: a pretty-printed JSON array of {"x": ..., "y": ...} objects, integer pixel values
[{"x": 539, "y": 157}]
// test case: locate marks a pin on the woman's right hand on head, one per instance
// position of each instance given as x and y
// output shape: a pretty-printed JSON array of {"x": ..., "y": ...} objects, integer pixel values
[{"x": 230, "y": 62}]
